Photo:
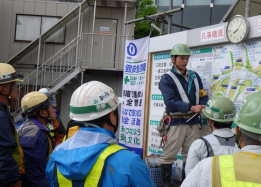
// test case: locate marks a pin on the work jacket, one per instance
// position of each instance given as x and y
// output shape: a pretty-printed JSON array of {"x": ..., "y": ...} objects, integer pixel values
[
  {"x": 220, "y": 142},
  {"x": 202, "y": 175},
  {"x": 37, "y": 145},
  {"x": 172, "y": 96},
  {"x": 10, "y": 152},
  {"x": 75, "y": 160}
]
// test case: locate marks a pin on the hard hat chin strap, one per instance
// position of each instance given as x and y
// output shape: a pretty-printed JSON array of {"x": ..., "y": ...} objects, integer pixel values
[{"x": 105, "y": 119}]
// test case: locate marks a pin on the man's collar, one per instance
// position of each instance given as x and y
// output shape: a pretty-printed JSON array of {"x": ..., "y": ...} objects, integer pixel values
[{"x": 185, "y": 74}]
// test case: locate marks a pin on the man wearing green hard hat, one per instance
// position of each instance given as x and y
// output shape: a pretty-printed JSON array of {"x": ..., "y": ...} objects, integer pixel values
[
  {"x": 184, "y": 97},
  {"x": 220, "y": 112},
  {"x": 242, "y": 168}
]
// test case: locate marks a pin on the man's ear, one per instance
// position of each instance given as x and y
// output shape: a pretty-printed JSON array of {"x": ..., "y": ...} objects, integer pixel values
[
  {"x": 172, "y": 59},
  {"x": 42, "y": 113},
  {"x": 236, "y": 129},
  {"x": 112, "y": 117},
  {"x": 4, "y": 89},
  {"x": 210, "y": 121}
]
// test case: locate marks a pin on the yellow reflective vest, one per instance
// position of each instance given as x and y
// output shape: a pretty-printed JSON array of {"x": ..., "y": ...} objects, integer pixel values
[
  {"x": 239, "y": 170},
  {"x": 18, "y": 152},
  {"x": 94, "y": 176}
]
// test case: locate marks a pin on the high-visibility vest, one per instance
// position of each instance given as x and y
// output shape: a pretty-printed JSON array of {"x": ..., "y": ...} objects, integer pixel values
[
  {"x": 18, "y": 152},
  {"x": 182, "y": 93},
  {"x": 52, "y": 127},
  {"x": 93, "y": 178},
  {"x": 239, "y": 170}
]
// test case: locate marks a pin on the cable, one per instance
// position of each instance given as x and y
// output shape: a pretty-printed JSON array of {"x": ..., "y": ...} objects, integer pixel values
[{"x": 151, "y": 28}]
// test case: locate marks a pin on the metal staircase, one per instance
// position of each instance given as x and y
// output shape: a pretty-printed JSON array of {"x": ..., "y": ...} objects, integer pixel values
[
  {"x": 54, "y": 72},
  {"x": 80, "y": 54}
]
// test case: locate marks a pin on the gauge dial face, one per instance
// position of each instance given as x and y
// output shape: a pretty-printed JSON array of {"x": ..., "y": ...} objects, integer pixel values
[{"x": 237, "y": 29}]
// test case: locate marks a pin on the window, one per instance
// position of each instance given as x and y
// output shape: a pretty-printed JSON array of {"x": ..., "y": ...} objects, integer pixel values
[
  {"x": 166, "y": 2},
  {"x": 29, "y": 27},
  {"x": 198, "y": 2},
  {"x": 223, "y": 2}
]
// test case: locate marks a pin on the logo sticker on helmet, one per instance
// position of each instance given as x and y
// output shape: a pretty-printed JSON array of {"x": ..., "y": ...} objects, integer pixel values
[
  {"x": 100, "y": 107},
  {"x": 7, "y": 75},
  {"x": 105, "y": 95},
  {"x": 208, "y": 110},
  {"x": 216, "y": 115}
]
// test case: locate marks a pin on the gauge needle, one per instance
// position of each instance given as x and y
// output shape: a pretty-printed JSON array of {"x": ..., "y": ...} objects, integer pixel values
[{"x": 237, "y": 28}]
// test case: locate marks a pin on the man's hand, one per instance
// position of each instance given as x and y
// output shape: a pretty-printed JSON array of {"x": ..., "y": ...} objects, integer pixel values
[
  {"x": 197, "y": 108},
  {"x": 17, "y": 184}
]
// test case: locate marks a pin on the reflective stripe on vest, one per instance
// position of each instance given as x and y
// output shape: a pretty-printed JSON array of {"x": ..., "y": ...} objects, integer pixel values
[
  {"x": 182, "y": 93},
  {"x": 95, "y": 174},
  {"x": 239, "y": 170},
  {"x": 215, "y": 147},
  {"x": 52, "y": 134},
  {"x": 18, "y": 152},
  {"x": 50, "y": 146}
]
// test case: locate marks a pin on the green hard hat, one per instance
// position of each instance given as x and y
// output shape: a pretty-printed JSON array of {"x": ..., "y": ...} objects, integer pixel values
[
  {"x": 180, "y": 49},
  {"x": 220, "y": 108},
  {"x": 249, "y": 115}
]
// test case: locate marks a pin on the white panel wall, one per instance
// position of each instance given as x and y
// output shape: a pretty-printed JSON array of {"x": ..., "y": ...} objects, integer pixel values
[{"x": 166, "y": 42}]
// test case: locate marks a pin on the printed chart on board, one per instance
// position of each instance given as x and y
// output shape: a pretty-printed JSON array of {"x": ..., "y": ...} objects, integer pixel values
[{"x": 236, "y": 70}]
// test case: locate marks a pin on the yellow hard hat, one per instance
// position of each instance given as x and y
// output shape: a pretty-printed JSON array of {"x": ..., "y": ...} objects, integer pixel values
[
  {"x": 33, "y": 102},
  {"x": 8, "y": 74}
]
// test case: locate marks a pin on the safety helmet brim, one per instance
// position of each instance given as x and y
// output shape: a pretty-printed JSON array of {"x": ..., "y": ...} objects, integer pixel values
[{"x": 214, "y": 119}]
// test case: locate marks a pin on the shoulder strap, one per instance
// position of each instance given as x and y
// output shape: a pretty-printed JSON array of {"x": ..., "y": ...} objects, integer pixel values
[
  {"x": 50, "y": 145},
  {"x": 181, "y": 90},
  {"x": 209, "y": 148}
]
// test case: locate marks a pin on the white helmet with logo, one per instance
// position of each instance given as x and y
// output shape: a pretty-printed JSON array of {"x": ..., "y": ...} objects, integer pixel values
[{"x": 93, "y": 100}]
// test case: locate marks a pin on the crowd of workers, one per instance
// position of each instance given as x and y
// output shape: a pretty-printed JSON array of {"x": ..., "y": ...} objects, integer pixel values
[{"x": 39, "y": 152}]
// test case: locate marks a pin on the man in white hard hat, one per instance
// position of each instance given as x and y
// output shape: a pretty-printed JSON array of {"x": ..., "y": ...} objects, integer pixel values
[
  {"x": 91, "y": 155},
  {"x": 35, "y": 138},
  {"x": 11, "y": 156},
  {"x": 242, "y": 168}
]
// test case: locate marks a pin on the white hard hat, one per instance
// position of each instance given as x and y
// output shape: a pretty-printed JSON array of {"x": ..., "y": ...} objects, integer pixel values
[
  {"x": 49, "y": 94},
  {"x": 93, "y": 100}
]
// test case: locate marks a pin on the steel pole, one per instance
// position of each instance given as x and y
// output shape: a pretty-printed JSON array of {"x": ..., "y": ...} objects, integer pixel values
[
  {"x": 93, "y": 24},
  {"x": 170, "y": 16},
  {"x": 38, "y": 61},
  {"x": 78, "y": 33},
  {"x": 247, "y": 11}
]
